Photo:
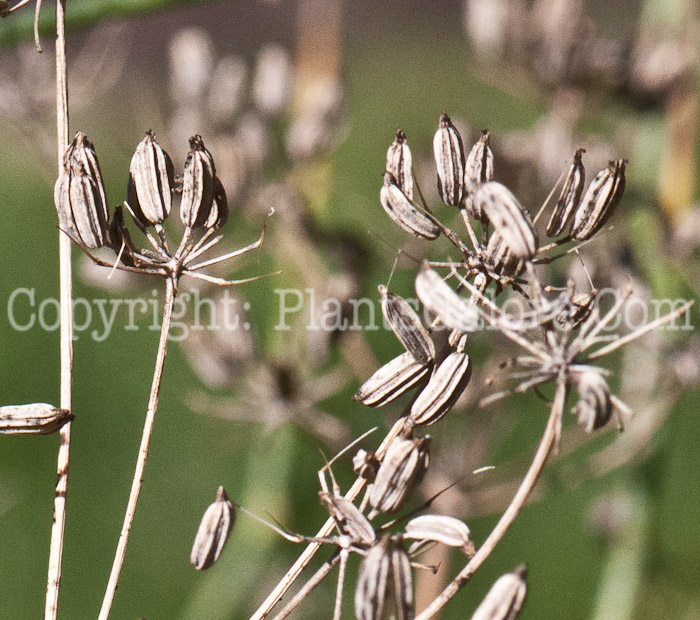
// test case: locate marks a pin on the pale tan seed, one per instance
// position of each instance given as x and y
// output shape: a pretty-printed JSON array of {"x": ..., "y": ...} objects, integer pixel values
[
  {"x": 151, "y": 181},
  {"x": 402, "y": 581},
  {"x": 594, "y": 407},
  {"x": 400, "y": 209},
  {"x": 437, "y": 296},
  {"x": 198, "y": 185},
  {"x": 478, "y": 170},
  {"x": 506, "y": 597},
  {"x": 349, "y": 518},
  {"x": 509, "y": 218},
  {"x": 407, "y": 326},
  {"x": 449, "y": 161},
  {"x": 443, "y": 529},
  {"x": 32, "y": 419},
  {"x": 443, "y": 390},
  {"x": 391, "y": 381},
  {"x": 569, "y": 198},
  {"x": 373, "y": 579},
  {"x": 213, "y": 531}
]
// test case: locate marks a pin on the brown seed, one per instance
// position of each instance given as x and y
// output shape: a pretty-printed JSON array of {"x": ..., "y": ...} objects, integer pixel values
[
  {"x": 391, "y": 381},
  {"x": 407, "y": 326},
  {"x": 594, "y": 407},
  {"x": 402, "y": 467},
  {"x": 151, "y": 179},
  {"x": 479, "y": 170},
  {"x": 600, "y": 200},
  {"x": 400, "y": 209},
  {"x": 437, "y": 296},
  {"x": 399, "y": 162},
  {"x": 349, "y": 518},
  {"x": 449, "y": 160},
  {"x": 569, "y": 198},
  {"x": 32, "y": 419},
  {"x": 198, "y": 185},
  {"x": 213, "y": 531},
  {"x": 506, "y": 597}
]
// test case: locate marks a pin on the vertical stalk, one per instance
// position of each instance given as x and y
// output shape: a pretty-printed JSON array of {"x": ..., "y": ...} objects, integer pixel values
[
  {"x": 65, "y": 283},
  {"x": 170, "y": 292}
]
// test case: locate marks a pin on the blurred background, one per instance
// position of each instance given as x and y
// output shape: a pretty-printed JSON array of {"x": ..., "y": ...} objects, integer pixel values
[{"x": 298, "y": 102}]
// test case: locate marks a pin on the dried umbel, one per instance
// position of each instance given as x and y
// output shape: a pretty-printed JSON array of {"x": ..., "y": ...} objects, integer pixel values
[
  {"x": 79, "y": 195},
  {"x": 390, "y": 381},
  {"x": 569, "y": 198},
  {"x": 402, "y": 467},
  {"x": 449, "y": 160},
  {"x": 600, "y": 200},
  {"x": 594, "y": 407},
  {"x": 213, "y": 531},
  {"x": 32, "y": 419},
  {"x": 407, "y": 326},
  {"x": 399, "y": 163},
  {"x": 400, "y": 209},
  {"x": 508, "y": 217},
  {"x": 446, "y": 385},
  {"x": 437, "y": 296},
  {"x": 479, "y": 170},
  {"x": 151, "y": 180},
  {"x": 442, "y": 529},
  {"x": 385, "y": 570},
  {"x": 198, "y": 185},
  {"x": 506, "y": 597}
]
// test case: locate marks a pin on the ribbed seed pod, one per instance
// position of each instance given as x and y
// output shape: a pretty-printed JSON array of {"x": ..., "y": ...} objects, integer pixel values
[
  {"x": 437, "y": 296},
  {"x": 509, "y": 218},
  {"x": 449, "y": 160},
  {"x": 399, "y": 162},
  {"x": 446, "y": 385},
  {"x": 506, "y": 597},
  {"x": 600, "y": 200},
  {"x": 349, "y": 518},
  {"x": 32, "y": 419},
  {"x": 569, "y": 198},
  {"x": 219, "y": 209},
  {"x": 385, "y": 569},
  {"x": 478, "y": 170},
  {"x": 443, "y": 529},
  {"x": 151, "y": 179},
  {"x": 213, "y": 531},
  {"x": 198, "y": 185},
  {"x": 407, "y": 326},
  {"x": 391, "y": 381},
  {"x": 402, "y": 467},
  {"x": 594, "y": 406},
  {"x": 400, "y": 209},
  {"x": 79, "y": 195}
]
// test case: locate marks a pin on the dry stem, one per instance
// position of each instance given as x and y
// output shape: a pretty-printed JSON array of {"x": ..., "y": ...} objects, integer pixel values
[
  {"x": 65, "y": 280},
  {"x": 170, "y": 293}
]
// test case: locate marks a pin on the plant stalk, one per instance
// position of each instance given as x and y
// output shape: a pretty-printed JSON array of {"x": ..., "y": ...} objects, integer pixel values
[{"x": 170, "y": 292}]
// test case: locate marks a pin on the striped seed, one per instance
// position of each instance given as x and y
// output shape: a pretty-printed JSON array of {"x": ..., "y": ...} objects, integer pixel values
[
  {"x": 399, "y": 163},
  {"x": 400, "y": 209},
  {"x": 407, "y": 326},
  {"x": 449, "y": 161},
  {"x": 32, "y": 419},
  {"x": 478, "y": 170},
  {"x": 443, "y": 529},
  {"x": 151, "y": 181},
  {"x": 213, "y": 531},
  {"x": 198, "y": 185},
  {"x": 569, "y": 198},
  {"x": 506, "y": 597},
  {"x": 437, "y": 296},
  {"x": 391, "y": 381}
]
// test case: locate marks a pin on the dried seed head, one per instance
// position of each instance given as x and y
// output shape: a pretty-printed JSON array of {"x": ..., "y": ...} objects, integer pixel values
[
  {"x": 390, "y": 381},
  {"x": 213, "y": 531},
  {"x": 151, "y": 180},
  {"x": 32, "y": 419},
  {"x": 349, "y": 518},
  {"x": 600, "y": 200},
  {"x": 407, "y": 326},
  {"x": 365, "y": 464},
  {"x": 385, "y": 569},
  {"x": 400, "y": 209},
  {"x": 399, "y": 163},
  {"x": 402, "y": 468},
  {"x": 479, "y": 170},
  {"x": 508, "y": 217},
  {"x": 506, "y": 597},
  {"x": 79, "y": 195},
  {"x": 446, "y": 385},
  {"x": 594, "y": 406},
  {"x": 437, "y": 296},
  {"x": 569, "y": 198},
  {"x": 449, "y": 160},
  {"x": 443, "y": 529},
  {"x": 198, "y": 185}
]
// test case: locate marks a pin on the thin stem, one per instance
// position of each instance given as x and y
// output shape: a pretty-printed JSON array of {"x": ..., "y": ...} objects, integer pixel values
[
  {"x": 285, "y": 583},
  {"x": 53, "y": 583},
  {"x": 170, "y": 292},
  {"x": 516, "y": 504}
]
